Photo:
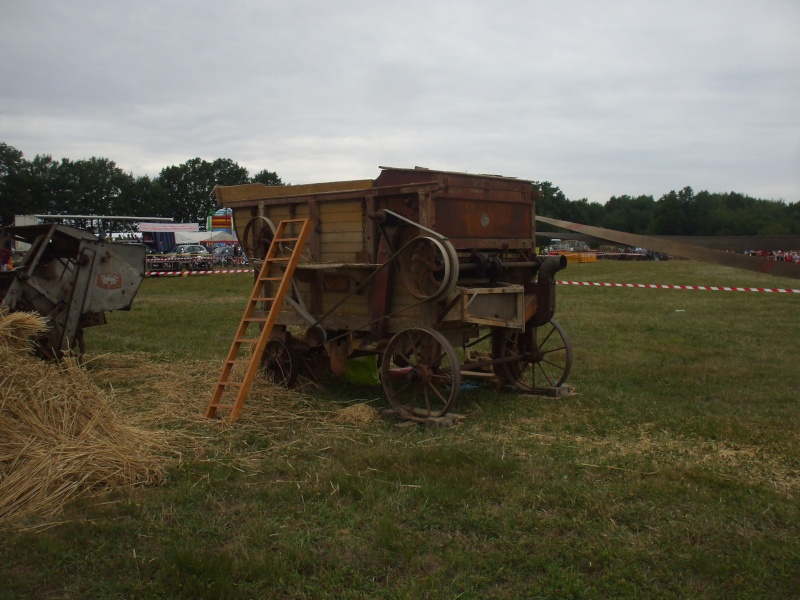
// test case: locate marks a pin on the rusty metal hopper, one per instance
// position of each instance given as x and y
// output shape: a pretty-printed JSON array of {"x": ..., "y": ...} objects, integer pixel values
[{"x": 70, "y": 277}]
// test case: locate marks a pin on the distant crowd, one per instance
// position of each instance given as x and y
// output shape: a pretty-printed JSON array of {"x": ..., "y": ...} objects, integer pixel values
[{"x": 792, "y": 256}]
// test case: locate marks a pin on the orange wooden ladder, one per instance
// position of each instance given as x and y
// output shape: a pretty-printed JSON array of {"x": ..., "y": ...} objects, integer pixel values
[{"x": 229, "y": 384}]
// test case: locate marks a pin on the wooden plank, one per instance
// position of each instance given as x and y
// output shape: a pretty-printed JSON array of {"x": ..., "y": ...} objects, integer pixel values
[
  {"x": 341, "y": 206},
  {"x": 259, "y": 191},
  {"x": 355, "y": 305},
  {"x": 327, "y": 226},
  {"x": 340, "y": 241},
  {"x": 338, "y": 252}
]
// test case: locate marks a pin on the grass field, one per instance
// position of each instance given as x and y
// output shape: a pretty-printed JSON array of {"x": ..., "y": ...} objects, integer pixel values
[{"x": 674, "y": 472}]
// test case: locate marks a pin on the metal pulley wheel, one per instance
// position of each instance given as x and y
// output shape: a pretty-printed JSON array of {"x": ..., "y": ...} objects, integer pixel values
[
  {"x": 428, "y": 267},
  {"x": 257, "y": 236}
]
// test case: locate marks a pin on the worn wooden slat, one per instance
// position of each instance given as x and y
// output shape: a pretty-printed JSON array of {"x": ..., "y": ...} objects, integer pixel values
[
  {"x": 258, "y": 191},
  {"x": 327, "y": 226},
  {"x": 348, "y": 207}
]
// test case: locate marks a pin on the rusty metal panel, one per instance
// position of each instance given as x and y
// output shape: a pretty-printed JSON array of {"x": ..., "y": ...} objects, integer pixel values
[{"x": 457, "y": 218}]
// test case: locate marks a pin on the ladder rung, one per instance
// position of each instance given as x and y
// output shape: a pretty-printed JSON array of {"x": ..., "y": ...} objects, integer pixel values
[
  {"x": 256, "y": 319},
  {"x": 229, "y": 382},
  {"x": 261, "y": 299},
  {"x": 292, "y": 239}
]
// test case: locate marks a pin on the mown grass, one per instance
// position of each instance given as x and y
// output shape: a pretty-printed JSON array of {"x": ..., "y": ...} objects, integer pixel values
[{"x": 673, "y": 472}]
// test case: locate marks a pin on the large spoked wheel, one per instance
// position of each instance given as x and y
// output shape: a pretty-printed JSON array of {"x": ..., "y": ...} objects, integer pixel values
[
  {"x": 257, "y": 237},
  {"x": 542, "y": 356},
  {"x": 279, "y": 363},
  {"x": 420, "y": 373}
]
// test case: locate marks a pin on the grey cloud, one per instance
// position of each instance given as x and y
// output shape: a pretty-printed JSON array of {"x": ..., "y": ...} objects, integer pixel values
[{"x": 600, "y": 98}]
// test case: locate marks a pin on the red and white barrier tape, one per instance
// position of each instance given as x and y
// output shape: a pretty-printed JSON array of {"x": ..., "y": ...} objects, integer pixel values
[
  {"x": 649, "y": 286},
  {"x": 652, "y": 286},
  {"x": 185, "y": 273}
]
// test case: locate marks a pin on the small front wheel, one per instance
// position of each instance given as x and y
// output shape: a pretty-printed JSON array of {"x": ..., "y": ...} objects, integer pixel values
[{"x": 279, "y": 363}]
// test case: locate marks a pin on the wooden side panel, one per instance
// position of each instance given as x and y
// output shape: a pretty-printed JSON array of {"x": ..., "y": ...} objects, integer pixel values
[{"x": 342, "y": 231}]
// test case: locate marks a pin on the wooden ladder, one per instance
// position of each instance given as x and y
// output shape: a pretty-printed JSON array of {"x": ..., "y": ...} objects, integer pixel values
[{"x": 229, "y": 383}]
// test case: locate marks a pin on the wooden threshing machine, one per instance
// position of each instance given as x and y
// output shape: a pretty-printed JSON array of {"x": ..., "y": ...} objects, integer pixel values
[{"x": 418, "y": 267}]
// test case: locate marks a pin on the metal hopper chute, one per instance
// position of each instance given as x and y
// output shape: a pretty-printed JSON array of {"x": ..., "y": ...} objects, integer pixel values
[{"x": 72, "y": 278}]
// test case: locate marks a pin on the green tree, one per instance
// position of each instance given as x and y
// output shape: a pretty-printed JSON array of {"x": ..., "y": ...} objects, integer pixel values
[
  {"x": 551, "y": 201},
  {"x": 89, "y": 187},
  {"x": 267, "y": 178},
  {"x": 144, "y": 197},
  {"x": 583, "y": 211},
  {"x": 672, "y": 213},
  {"x": 41, "y": 175},
  {"x": 14, "y": 175},
  {"x": 189, "y": 186},
  {"x": 625, "y": 213}
]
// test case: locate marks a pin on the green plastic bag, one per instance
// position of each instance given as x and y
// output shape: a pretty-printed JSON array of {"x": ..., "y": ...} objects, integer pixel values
[{"x": 362, "y": 370}]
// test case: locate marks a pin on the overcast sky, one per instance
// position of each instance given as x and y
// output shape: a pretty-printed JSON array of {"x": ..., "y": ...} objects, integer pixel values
[{"x": 600, "y": 98}]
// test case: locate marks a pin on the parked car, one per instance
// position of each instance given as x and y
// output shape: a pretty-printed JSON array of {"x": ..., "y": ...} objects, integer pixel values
[
  {"x": 222, "y": 251},
  {"x": 198, "y": 257}
]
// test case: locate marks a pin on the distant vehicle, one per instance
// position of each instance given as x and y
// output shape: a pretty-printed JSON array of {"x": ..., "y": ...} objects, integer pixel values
[
  {"x": 189, "y": 249},
  {"x": 224, "y": 251},
  {"x": 199, "y": 255},
  {"x": 558, "y": 246}
]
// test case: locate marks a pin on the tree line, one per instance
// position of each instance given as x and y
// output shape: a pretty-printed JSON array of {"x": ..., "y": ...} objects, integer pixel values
[
  {"x": 97, "y": 186},
  {"x": 681, "y": 212}
]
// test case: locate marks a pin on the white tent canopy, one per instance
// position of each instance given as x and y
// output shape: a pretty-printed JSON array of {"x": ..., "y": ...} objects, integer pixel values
[{"x": 190, "y": 237}]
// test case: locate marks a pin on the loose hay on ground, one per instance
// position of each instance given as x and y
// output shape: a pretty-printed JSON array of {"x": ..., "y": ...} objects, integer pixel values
[
  {"x": 175, "y": 395},
  {"x": 357, "y": 414},
  {"x": 65, "y": 436},
  {"x": 61, "y": 436}
]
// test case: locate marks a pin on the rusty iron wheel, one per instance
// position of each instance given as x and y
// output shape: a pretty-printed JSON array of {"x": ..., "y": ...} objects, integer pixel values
[
  {"x": 420, "y": 373},
  {"x": 544, "y": 356},
  {"x": 279, "y": 363}
]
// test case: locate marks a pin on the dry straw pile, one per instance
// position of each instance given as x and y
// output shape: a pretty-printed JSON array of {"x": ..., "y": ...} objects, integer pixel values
[{"x": 59, "y": 434}]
